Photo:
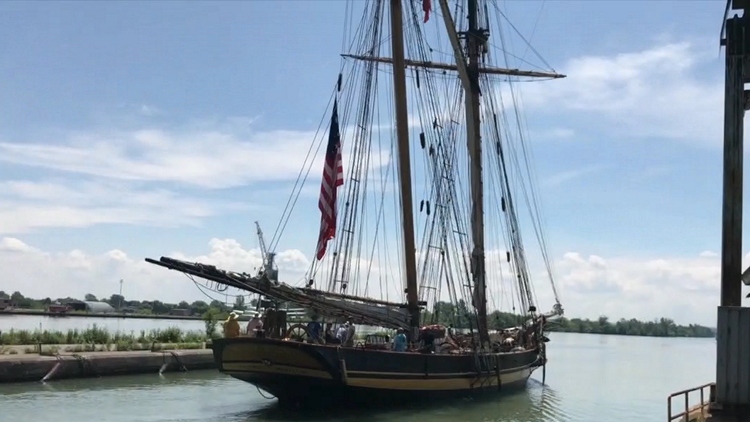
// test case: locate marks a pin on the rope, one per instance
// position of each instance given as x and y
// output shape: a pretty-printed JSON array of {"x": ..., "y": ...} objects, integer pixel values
[
  {"x": 180, "y": 365},
  {"x": 263, "y": 395}
]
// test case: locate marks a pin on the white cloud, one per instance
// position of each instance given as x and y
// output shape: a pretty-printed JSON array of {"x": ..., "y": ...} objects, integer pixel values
[
  {"x": 149, "y": 110},
  {"x": 685, "y": 289},
  {"x": 211, "y": 159},
  {"x": 204, "y": 154},
  {"x": 558, "y": 179},
  {"x": 27, "y": 205},
  {"x": 119, "y": 176},
  {"x": 661, "y": 91},
  {"x": 74, "y": 273}
]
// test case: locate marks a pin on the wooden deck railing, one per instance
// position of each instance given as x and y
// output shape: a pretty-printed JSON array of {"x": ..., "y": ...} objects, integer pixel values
[{"x": 688, "y": 411}]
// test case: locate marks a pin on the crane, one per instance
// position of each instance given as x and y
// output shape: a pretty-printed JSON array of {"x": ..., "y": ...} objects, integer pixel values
[{"x": 269, "y": 266}]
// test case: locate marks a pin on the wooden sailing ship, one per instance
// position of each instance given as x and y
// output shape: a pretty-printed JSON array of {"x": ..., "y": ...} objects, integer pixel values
[{"x": 312, "y": 372}]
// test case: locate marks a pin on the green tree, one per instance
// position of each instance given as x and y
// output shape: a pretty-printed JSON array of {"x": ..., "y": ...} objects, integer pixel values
[
  {"x": 159, "y": 308},
  {"x": 239, "y": 303},
  {"x": 116, "y": 301},
  {"x": 210, "y": 321},
  {"x": 90, "y": 298},
  {"x": 218, "y": 305},
  {"x": 199, "y": 307}
]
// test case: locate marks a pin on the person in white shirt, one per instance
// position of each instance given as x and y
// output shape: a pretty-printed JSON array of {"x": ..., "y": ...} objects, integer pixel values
[
  {"x": 342, "y": 333},
  {"x": 254, "y": 325}
]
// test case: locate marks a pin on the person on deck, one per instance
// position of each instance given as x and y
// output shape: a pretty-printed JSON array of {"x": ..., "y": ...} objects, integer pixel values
[
  {"x": 314, "y": 330},
  {"x": 232, "y": 326},
  {"x": 341, "y": 333},
  {"x": 254, "y": 326},
  {"x": 350, "y": 329},
  {"x": 428, "y": 342},
  {"x": 329, "y": 337},
  {"x": 399, "y": 341}
]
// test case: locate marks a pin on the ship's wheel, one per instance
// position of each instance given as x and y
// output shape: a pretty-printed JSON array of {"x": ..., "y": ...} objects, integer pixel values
[{"x": 297, "y": 332}]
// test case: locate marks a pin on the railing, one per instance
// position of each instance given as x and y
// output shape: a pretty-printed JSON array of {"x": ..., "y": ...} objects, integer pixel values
[{"x": 688, "y": 411}]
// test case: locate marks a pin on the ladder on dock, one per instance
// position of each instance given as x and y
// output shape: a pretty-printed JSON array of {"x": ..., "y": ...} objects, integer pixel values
[{"x": 694, "y": 413}]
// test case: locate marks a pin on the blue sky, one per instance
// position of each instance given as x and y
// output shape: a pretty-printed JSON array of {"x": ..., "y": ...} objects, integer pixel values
[{"x": 142, "y": 129}]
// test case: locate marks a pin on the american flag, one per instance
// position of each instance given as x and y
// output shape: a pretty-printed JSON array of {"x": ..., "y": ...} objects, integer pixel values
[
  {"x": 333, "y": 177},
  {"x": 427, "y": 8}
]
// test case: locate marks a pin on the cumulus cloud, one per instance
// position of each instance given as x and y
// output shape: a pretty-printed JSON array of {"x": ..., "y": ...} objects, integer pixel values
[
  {"x": 74, "y": 273},
  {"x": 685, "y": 288},
  {"x": 662, "y": 91}
]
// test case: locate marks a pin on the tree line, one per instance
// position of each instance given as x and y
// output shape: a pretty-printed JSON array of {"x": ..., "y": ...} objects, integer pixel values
[
  {"x": 145, "y": 307},
  {"x": 458, "y": 315}
]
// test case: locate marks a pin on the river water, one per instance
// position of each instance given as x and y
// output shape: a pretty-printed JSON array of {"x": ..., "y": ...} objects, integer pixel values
[
  {"x": 590, "y": 378},
  {"x": 125, "y": 325}
]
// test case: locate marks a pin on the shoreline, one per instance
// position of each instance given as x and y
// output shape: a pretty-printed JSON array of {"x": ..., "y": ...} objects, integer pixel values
[
  {"x": 41, "y": 312},
  {"x": 244, "y": 318},
  {"x": 34, "y": 368}
]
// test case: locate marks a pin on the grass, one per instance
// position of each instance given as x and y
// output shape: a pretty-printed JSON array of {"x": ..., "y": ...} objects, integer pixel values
[{"x": 101, "y": 336}]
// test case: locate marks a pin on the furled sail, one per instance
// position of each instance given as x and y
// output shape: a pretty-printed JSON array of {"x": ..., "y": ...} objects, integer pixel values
[{"x": 356, "y": 309}]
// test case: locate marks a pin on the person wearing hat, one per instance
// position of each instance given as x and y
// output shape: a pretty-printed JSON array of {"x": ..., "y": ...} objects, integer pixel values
[{"x": 232, "y": 326}]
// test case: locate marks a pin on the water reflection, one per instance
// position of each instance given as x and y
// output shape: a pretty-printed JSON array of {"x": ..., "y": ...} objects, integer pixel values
[
  {"x": 536, "y": 404},
  {"x": 208, "y": 396},
  {"x": 590, "y": 379},
  {"x": 129, "y": 383}
]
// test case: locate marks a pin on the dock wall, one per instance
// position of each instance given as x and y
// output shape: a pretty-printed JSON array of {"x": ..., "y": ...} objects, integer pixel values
[{"x": 24, "y": 368}]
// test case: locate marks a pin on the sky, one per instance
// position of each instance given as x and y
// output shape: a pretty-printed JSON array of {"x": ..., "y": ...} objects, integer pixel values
[{"x": 132, "y": 130}]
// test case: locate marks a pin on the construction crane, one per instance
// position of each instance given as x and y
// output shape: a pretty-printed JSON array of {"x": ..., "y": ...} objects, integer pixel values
[{"x": 269, "y": 266}]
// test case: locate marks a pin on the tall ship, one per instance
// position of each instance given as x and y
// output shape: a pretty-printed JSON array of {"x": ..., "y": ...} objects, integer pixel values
[{"x": 427, "y": 177}]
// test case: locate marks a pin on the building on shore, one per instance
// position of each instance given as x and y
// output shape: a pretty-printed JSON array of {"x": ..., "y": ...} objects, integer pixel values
[{"x": 90, "y": 306}]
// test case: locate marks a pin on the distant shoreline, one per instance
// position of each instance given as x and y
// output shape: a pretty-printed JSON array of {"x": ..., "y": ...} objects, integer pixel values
[{"x": 41, "y": 312}]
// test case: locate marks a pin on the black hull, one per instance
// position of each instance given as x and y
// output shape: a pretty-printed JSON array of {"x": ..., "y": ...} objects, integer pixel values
[{"x": 310, "y": 375}]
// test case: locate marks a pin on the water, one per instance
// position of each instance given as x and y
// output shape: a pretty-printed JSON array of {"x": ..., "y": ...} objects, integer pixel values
[
  {"x": 125, "y": 325},
  {"x": 590, "y": 378}
]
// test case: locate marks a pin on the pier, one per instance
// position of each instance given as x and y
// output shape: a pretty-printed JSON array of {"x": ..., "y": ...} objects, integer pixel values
[
  {"x": 729, "y": 396},
  {"x": 33, "y": 367}
]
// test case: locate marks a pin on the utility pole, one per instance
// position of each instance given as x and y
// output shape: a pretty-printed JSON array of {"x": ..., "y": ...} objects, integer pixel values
[{"x": 119, "y": 308}]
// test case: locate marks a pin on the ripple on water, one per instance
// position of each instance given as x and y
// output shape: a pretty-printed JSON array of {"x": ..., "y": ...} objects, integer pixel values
[{"x": 590, "y": 379}]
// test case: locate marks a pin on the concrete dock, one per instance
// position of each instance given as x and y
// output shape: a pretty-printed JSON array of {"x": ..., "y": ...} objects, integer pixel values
[{"x": 25, "y": 368}]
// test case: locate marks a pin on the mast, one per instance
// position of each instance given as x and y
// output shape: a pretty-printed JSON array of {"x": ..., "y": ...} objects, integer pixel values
[
  {"x": 469, "y": 71},
  {"x": 404, "y": 162},
  {"x": 475, "y": 40}
]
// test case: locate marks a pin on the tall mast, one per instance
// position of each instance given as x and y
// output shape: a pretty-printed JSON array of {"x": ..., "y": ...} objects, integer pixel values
[
  {"x": 475, "y": 40},
  {"x": 404, "y": 162},
  {"x": 468, "y": 70}
]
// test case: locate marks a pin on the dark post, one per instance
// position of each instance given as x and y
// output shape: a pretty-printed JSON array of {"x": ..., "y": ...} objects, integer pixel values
[
  {"x": 734, "y": 111},
  {"x": 733, "y": 321}
]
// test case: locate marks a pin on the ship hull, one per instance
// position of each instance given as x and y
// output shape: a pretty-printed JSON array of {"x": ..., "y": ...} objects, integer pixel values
[{"x": 311, "y": 375}]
